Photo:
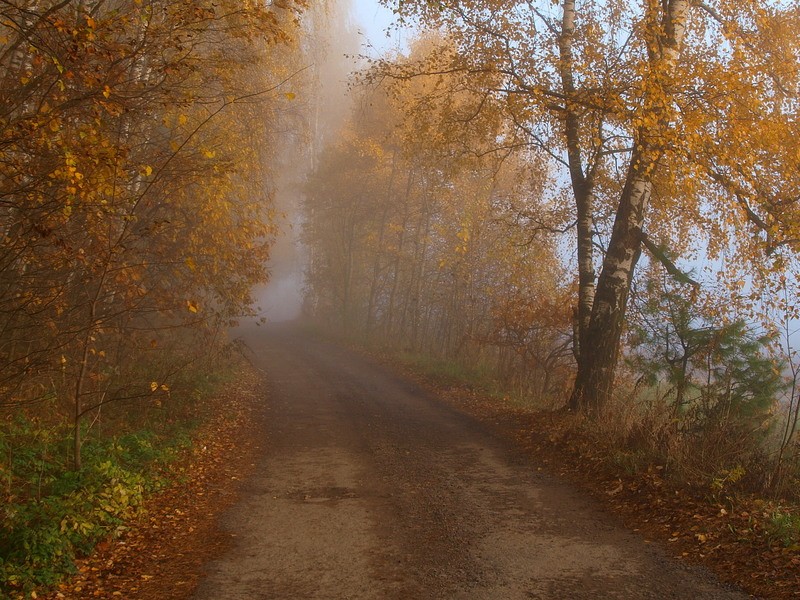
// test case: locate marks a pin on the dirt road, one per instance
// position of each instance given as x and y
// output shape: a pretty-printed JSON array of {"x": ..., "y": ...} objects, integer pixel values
[{"x": 369, "y": 488}]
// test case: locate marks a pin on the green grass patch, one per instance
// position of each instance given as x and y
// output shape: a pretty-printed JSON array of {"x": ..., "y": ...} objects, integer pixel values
[
  {"x": 479, "y": 377},
  {"x": 453, "y": 372},
  {"x": 51, "y": 515},
  {"x": 784, "y": 528}
]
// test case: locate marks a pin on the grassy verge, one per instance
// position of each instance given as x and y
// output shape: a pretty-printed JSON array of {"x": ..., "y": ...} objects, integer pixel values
[
  {"x": 52, "y": 515},
  {"x": 450, "y": 372},
  {"x": 479, "y": 379},
  {"x": 745, "y": 539}
]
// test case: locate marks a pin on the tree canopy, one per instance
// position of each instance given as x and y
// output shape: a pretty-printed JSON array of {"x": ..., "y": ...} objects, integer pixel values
[
  {"x": 135, "y": 138},
  {"x": 673, "y": 122}
]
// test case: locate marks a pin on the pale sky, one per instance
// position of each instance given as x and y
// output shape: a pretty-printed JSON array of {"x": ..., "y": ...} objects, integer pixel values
[{"x": 372, "y": 19}]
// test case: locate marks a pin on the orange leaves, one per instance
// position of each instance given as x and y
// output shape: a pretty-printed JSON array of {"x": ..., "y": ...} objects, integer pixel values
[
  {"x": 463, "y": 237},
  {"x": 125, "y": 195}
]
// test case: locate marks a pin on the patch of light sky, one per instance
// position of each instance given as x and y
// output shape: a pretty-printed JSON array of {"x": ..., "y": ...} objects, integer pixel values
[{"x": 373, "y": 21}]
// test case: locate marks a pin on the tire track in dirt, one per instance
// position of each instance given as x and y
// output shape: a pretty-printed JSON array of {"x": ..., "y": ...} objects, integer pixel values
[{"x": 370, "y": 488}]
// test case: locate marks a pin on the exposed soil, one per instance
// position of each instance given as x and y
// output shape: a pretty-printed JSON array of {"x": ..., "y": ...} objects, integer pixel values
[
  {"x": 370, "y": 488},
  {"x": 358, "y": 483}
]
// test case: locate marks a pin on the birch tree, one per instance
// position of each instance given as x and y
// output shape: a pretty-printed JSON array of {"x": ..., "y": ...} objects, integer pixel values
[{"x": 671, "y": 120}]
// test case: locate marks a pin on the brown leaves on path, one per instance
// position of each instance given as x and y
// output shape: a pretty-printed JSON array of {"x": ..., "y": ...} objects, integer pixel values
[
  {"x": 728, "y": 536},
  {"x": 162, "y": 554}
]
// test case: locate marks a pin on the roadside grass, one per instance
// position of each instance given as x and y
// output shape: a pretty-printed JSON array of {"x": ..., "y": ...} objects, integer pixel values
[
  {"x": 52, "y": 515},
  {"x": 479, "y": 378},
  {"x": 676, "y": 490},
  {"x": 452, "y": 372},
  {"x": 784, "y": 528}
]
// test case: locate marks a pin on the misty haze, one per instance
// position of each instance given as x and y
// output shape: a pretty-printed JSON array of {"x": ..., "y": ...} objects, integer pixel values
[{"x": 399, "y": 300}]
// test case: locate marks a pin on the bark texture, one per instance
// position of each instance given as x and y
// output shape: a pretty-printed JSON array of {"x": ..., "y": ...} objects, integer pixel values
[{"x": 599, "y": 341}]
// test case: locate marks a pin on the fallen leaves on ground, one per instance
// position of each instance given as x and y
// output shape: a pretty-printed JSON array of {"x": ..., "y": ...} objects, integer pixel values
[
  {"x": 161, "y": 554},
  {"x": 729, "y": 538}
]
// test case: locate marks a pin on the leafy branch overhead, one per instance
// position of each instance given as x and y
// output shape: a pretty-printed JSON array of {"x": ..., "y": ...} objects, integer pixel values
[
  {"x": 133, "y": 202},
  {"x": 677, "y": 118}
]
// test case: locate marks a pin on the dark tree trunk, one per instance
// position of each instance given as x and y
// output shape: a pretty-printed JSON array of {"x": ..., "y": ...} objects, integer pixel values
[
  {"x": 601, "y": 346},
  {"x": 599, "y": 343}
]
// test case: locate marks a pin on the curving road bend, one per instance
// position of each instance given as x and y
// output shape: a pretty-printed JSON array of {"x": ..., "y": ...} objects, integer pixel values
[{"x": 368, "y": 488}]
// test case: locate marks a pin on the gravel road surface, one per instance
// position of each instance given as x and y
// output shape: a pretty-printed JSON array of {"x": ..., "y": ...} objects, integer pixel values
[{"x": 370, "y": 488}]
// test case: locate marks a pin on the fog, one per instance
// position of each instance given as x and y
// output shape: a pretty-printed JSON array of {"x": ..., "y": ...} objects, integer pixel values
[{"x": 331, "y": 47}]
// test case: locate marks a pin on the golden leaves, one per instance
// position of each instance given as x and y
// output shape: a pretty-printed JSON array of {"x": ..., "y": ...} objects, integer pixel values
[
  {"x": 119, "y": 180},
  {"x": 464, "y": 236}
]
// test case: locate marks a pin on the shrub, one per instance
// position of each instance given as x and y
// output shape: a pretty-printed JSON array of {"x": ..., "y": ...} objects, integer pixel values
[{"x": 53, "y": 515}]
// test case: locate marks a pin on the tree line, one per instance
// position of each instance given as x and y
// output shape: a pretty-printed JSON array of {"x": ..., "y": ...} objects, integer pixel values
[
  {"x": 414, "y": 241},
  {"x": 135, "y": 154},
  {"x": 580, "y": 190}
]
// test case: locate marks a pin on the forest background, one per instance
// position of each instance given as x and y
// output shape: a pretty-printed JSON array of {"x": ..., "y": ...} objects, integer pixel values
[{"x": 589, "y": 206}]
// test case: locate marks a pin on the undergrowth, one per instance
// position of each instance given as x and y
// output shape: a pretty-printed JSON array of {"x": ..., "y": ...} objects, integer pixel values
[
  {"x": 52, "y": 515},
  {"x": 481, "y": 378},
  {"x": 451, "y": 372},
  {"x": 722, "y": 458},
  {"x": 784, "y": 528}
]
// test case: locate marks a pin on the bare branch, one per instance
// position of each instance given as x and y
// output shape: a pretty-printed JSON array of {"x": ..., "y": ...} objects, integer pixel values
[{"x": 660, "y": 254}]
